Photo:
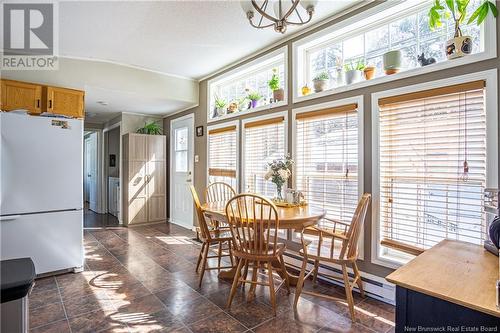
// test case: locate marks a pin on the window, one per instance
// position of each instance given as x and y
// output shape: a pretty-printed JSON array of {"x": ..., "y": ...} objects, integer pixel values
[
  {"x": 326, "y": 158},
  {"x": 235, "y": 86},
  {"x": 433, "y": 166},
  {"x": 264, "y": 141},
  {"x": 366, "y": 37},
  {"x": 181, "y": 149},
  {"x": 222, "y": 155}
]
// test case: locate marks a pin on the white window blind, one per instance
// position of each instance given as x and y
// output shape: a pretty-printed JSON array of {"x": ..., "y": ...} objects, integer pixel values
[
  {"x": 264, "y": 142},
  {"x": 326, "y": 168},
  {"x": 433, "y": 166},
  {"x": 222, "y": 155}
]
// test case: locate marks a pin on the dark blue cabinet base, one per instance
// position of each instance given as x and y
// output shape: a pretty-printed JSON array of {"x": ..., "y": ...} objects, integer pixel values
[{"x": 417, "y": 312}]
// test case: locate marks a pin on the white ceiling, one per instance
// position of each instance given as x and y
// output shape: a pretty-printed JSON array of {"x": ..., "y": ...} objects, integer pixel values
[{"x": 186, "y": 38}]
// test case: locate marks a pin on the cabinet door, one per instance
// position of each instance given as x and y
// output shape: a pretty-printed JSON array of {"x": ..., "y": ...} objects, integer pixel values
[
  {"x": 66, "y": 102},
  {"x": 156, "y": 181},
  {"x": 156, "y": 147},
  {"x": 21, "y": 96},
  {"x": 137, "y": 147},
  {"x": 137, "y": 194}
]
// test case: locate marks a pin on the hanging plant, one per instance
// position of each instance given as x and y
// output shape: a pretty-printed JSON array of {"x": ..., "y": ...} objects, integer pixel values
[{"x": 153, "y": 128}]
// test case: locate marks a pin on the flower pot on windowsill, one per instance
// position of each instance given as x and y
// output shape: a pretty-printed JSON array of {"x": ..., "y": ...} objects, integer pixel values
[
  {"x": 369, "y": 72},
  {"x": 353, "y": 76},
  {"x": 279, "y": 95},
  {"x": 458, "y": 46},
  {"x": 392, "y": 62},
  {"x": 319, "y": 85},
  {"x": 253, "y": 104}
]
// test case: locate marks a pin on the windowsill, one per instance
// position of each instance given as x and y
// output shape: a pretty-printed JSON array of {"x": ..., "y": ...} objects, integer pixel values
[
  {"x": 398, "y": 76},
  {"x": 249, "y": 111}
]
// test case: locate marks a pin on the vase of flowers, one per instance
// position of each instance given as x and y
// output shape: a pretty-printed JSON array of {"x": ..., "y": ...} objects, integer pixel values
[{"x": 278, "y": 173}]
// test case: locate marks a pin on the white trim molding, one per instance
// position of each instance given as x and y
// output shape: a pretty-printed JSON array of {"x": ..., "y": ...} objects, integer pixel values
[{"x": 491, "y": 106}]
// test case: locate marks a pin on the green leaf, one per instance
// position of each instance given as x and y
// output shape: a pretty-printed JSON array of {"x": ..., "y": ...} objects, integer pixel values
[
  {"x": 483, "y": 13},
  {"x": 451, "y": 5},
  {"x": 493, "y": 8},
  {"x": 475, "y": 14}
]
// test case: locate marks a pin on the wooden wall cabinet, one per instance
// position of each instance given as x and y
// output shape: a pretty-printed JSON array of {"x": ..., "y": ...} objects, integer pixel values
[
  {"x": 144, "y": 175},
  {"x": 37, "y": 98},
  {"x": 17, "y": 95},
  {"x": 63, "y": 101}
]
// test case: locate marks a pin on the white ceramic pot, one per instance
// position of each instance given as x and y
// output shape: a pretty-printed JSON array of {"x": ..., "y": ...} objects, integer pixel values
[
  {"x": 353, "y": 76},
  {"x": 458, "y": 47},
  {"x": 319, "y": 85},
  {"x": 392, "y": 61}
]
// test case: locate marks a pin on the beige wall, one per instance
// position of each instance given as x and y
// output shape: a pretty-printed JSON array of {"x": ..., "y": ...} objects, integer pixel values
[
  {"x": 200, "y": 113},
  {"x": 113, "y": 149}
]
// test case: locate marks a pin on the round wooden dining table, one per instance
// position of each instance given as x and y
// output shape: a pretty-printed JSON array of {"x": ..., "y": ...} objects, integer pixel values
[{"x": 294, "y": 218}]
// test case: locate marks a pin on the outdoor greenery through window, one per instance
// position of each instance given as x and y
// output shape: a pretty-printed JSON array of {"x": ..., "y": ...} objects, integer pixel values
[
  {"x": 408, "y": 32},
  {"x": 247, "y": 88}
]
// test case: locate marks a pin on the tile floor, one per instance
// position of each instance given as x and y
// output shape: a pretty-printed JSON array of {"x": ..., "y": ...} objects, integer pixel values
[{"x": 142, "y": 280}]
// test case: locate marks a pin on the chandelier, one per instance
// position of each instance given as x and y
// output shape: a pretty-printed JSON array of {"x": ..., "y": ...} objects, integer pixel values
[{"x": 277, "y": 13}]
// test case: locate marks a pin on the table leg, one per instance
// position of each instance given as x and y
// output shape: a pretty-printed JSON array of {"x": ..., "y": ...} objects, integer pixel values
[{"x": 292, "y": 278}]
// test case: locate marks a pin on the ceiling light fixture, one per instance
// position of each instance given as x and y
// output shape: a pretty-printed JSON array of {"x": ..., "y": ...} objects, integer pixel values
[{"x": 283, "y": 15}]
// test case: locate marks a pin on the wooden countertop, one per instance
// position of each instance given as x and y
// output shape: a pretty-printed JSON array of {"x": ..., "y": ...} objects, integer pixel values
[{"x": 455, "y": 271}]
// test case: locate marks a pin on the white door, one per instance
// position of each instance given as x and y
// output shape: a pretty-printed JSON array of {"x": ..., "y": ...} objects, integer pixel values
[
  {"x": 87, "y": 163},
  {"x": 181, "y": 170},
  {"x": 91, "y": 162}
]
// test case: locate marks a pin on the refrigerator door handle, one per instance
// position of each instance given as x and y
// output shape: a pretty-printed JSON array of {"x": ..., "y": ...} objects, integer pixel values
[{"x": 9, "y": 218}]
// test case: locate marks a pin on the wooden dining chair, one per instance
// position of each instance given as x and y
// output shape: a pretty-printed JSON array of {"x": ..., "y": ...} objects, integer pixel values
[
  {"x": 219, "y": 192},
  {"x": 210, "y": 235},
  {"x": 254, "y": 225},
  {"x": 343, "y": 250}
]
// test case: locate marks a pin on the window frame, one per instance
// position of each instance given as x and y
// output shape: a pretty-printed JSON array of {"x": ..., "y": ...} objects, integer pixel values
[
  {"x": 283, "y": 114},
  {"x": 248, "y": 68},
  {"x": 361, "y": 174},
  {"x": 238, "y": 139},
  {"x": 491, "y": 107},
  {"x": 354, "y": 25}
]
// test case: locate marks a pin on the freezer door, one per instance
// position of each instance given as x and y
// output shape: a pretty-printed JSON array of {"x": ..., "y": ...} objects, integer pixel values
[
  {"x": 40, "y": 164},
  {"x": 54, "y": 241}
]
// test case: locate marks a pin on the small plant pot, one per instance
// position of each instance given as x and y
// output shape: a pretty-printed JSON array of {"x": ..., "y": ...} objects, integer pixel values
[
  {"x": 319, "y": 85},
  {"x": 253, "y": 104},
  {"x": 279, "y": 94},
  {"x": 458, "y": 47},
  {"x": 353, "y": 76},
  {"x": 369, "y": 72},
  {"x": 392, "y": 62},
  {"x": 221, "y": 111}
]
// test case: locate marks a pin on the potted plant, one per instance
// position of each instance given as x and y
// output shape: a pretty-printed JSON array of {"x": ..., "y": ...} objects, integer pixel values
[
  {"x": 254, "y": 97},
  {"x": 274, "y": 85},
  {"x": 369, "y": 72},
  {"x": 353, "y": 73},
  {"x": 220, "y": 106},
  {"x": 459, "y": 45},
  {"x": 392, "y": 62},
  {"x": 320, "y": 81},
  {"x": 153, "y": 128},
  {"x": 232, "y": 107}
]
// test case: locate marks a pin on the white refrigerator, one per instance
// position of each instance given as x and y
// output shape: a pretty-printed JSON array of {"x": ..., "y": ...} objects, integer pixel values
[{"x": 41, "y": 191}]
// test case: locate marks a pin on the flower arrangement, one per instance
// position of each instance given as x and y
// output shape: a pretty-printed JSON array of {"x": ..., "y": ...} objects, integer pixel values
[{"x": 278, "y": 172}]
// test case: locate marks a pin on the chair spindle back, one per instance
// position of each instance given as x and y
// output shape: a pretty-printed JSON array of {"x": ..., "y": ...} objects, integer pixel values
[{"x": 219, "y": 192}]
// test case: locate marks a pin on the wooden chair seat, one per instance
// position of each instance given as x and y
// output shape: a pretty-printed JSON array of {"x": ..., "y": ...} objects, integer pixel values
[{"x": 269, "y": 254}]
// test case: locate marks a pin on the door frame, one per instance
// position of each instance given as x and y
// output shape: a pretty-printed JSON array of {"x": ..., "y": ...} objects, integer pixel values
[
  {"x": 100, "y": 167},
  {"x": 105, "y": 182},
  {"x": 190, "y": 157}
]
